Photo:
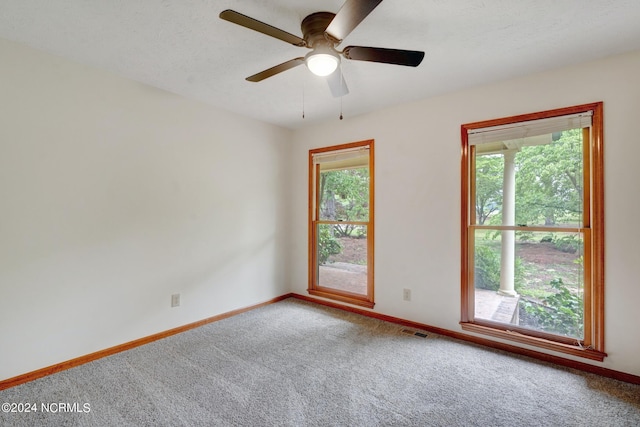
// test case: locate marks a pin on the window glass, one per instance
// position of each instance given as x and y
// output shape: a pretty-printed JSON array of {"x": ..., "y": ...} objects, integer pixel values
[
  {"x": 342, "y": 258},
  {"x": 344, "y": 195},
  {"x": 548, "y": 281}
]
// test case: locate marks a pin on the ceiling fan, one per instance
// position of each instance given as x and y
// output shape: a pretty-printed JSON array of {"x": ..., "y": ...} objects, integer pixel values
[{"x": 322, "y": 32}]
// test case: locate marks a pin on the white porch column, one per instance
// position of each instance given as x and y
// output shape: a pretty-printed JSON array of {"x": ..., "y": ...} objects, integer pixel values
[{"x": 507, "y": 273}]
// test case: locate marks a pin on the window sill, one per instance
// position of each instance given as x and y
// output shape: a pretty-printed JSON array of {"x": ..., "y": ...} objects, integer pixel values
[
  {"x": 573, "y": 350},
  {"x": 343, "y": 297}
]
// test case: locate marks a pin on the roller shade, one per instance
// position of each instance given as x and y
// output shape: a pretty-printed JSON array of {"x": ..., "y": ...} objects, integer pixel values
[
  {"x": 342, "y": 159},
  {"x": 522, "y": 130}
]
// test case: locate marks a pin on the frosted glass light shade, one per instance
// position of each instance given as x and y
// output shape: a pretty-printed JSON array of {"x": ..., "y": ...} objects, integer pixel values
[{"x": 321, "y": 64}]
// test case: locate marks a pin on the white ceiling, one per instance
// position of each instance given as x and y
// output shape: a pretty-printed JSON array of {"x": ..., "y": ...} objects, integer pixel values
[{"x": 183, "y": 47}]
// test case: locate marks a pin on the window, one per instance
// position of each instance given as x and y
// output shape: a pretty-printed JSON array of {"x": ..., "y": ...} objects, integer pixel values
[
  {"x": 533, "y": 230},
  {"x": 341, "y": 223}
]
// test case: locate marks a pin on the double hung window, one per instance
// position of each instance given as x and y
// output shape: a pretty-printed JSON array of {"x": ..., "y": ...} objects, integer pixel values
[
  {"x": 533, "y": 230},
  {"x": 341, "y": 223}
]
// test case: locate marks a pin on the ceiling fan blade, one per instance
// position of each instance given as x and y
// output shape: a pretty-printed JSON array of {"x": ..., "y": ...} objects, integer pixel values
[
  {"x": 276, "y": 70},
  {"x": 261, "y": 27},
  {"x": 337, "y": 84},
  {"x": 410, "y": 58},
  {"x": 348, "y": 17}
]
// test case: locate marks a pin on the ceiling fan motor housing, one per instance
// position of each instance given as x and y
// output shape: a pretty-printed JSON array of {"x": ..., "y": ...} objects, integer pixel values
[{"x": 313, "y": 28}]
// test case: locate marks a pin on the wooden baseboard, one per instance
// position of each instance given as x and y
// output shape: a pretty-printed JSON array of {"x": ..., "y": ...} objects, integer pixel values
[
  {"x": 30, "y": 376},
  {"x": 557, "y": 360},
  {"x": 609, "y": 373}
]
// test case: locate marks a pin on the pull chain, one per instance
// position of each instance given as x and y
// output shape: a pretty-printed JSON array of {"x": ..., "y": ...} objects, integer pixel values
[{"x": 342, "y": 89}]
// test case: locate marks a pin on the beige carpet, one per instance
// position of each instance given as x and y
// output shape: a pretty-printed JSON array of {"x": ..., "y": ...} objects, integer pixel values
[{"x": 298, "y": 364}]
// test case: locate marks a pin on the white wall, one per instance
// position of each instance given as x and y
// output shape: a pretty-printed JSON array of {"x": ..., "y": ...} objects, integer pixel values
[
  {"x": 418, "y": 192},
  {"x": 113, "y": 196}
]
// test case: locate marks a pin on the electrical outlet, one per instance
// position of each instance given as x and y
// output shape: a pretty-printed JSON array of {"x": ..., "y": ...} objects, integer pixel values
[
  {"x": 175, "y": 300},
  {"x": 406, "y": 294}
]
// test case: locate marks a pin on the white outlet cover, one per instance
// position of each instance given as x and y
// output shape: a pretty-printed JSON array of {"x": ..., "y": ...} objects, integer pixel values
[{"x": 175, "y": 300}]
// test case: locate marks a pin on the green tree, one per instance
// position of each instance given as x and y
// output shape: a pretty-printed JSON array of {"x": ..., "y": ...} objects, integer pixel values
[
  {"x": 345, "y": 197},
  {"x": 549, "y": 181},
  {"x": 489, "y": 171}
]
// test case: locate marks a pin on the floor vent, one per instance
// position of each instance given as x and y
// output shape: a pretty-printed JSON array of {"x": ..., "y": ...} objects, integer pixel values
[{"x": 410, "y": 332}]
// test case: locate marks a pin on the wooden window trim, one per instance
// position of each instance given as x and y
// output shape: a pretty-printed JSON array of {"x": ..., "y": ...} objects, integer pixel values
[
  {"x": 593, "y": 346},
  {"x": 330, "y": 293}
]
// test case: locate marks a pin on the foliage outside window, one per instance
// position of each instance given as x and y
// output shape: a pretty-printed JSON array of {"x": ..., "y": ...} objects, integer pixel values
[
  {"x": 532, "y": 229},
  {"x": 341, "y": 223}
]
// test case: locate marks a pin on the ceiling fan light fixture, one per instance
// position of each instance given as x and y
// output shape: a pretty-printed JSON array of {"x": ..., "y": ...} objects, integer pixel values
[{"x": 322, "y": 62}]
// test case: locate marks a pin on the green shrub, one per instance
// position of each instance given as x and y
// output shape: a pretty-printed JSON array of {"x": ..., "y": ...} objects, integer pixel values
[
  {"x": 525, "y": 236},
  {"x": 547, "y": 239},
  {"x": 562, "y": 312},
  {"x": 487, "y": 268},
  {"x": 327, "y": 245},
  {"x": 567, "y": 243}
]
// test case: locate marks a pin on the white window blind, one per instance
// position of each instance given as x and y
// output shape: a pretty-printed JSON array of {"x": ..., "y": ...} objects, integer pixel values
[
  {"x": 528, "y": 129},
  {"x": 342, "y": 159}
]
